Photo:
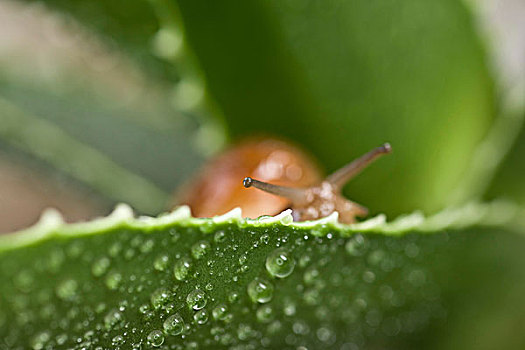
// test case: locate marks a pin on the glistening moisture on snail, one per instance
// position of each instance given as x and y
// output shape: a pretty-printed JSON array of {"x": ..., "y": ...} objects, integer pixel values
[{"x": 286, "y": 176}]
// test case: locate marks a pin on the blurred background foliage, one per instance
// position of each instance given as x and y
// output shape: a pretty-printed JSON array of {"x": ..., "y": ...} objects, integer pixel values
[{"x": 108, "y": 101}]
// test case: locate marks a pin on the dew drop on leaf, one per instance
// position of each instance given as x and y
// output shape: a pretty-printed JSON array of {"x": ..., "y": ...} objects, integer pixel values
[
  {"x": 233, "y": 297},
  {"x": 279, "y": 263},
  {"x": 196, "y": 299},
  {"x": 147, "y": 246},
  {"x": 112, "y": 318},
  {"x": 219, "y": 312},
  {"x": 114, "y": 249},
  {"x": 155, "y": 338},
  {"x": 310, "y": 276},
  {"x": 117, "y": 340},
  {"x": 264, "y": 314},
  {"x": 40, "y": 340},
  {"x": 174, "y": 325},
  {"x": 160, "y": 297},
  {"x": 219, "y": 236},
  {"x": 100, "y": 267},
  {"x": 67, "y": 289},
  {"x": 260, "y": 290},
  {"x": 201, "y": 317},
  {"x": 161, "y": 262},
  {"x": 369, "y": 276},
  {"x": 182, "y": 266},
  {"x": 24, "y": 281},
  {"x": 289, "y": 308},
  {"x": 113, "y": 280},
  {"x": 199, "y": 249},
  {"x": 265, "y": 238},
  {"x": 356, "y": 246}
]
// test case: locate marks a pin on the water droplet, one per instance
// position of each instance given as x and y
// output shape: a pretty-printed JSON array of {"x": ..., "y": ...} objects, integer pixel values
[
  {"x": 242, "y": 259},
  {"x": 244, "y": 332},
  {"x": 326, "y": 335},
  {"x": 61, "y": 339},
  {"x": 160, "y": 297},
  {"x": 56, "y": 259},
  {"x": 219, "y": 236},
  {"x": 264, "y": 314},
  {"x": 174, "y": 235},
  {"x": 260, "y": 290},
  {"x": 75, "y": 249},
  {"x": 356, "y": 246},
  {"x": 196, "y": 300},
  {"x": 289, "y": 308},
  {"x": 117, "y": 340},
  {"x": 226, "y": 339},
  {"x": 373, "y": 318},
  {"x": 113, "y": 280},
  {"x": 67, "y": 290},
  {"x": 112, "y": 318},
  {"x": 155, "y": 338},
  {"x": 416, "y": 278},
  {"x": 100, "y": 267},
  {"x": 147, "y": 246},
  {"x": 411, "y": 250},
  {"x": 274, "y": 327},
  {"x": 100, "y": 307},
  {"x": 376, "y": 257},
  {"x": 144, "y": 308},
  {"x": 279, "y": 263},
  {"x": 199, "y": 249},
  {"x": 310, "y": 276},
  {"x": 182, "y": 266},
  {"x": 24, "y": 281},
  {"x": 312, "y": 297},
  {"x": 129, "y": 254},
  {"x": 174, "y": 325},
  {"x": 233, "y": 297},
  {"x": 300, "y": 327},
  {"x": 114, "y": 249},
  {"x": 265, "y": 238},
  {"x": 161, "y": 262},
  {"x": 304, "y": 260},
  {"x": 201, "y": 317},
  {"x": 369, "y": 276},
  {"x": 220, "y": 312},
  {"x": 40, "y": 340}
]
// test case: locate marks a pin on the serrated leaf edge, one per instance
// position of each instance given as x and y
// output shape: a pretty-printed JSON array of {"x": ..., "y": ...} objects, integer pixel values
[{"x": 51, "y": 223}]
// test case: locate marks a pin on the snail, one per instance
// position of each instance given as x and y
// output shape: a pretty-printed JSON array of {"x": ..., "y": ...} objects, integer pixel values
[{"x": 286, "y": 176}]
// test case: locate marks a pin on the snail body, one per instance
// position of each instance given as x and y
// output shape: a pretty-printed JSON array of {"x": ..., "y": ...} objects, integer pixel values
[
  {"x": 218, "y": 187},
  {"x": 287, "y": 178}
]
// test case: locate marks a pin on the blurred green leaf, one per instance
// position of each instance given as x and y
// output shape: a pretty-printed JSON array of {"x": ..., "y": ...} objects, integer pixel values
[
  {"x": 509, "y": 179},
  {"x": 120, "y": 282},
  {"x": 81, "y": 107},
  {"x": 343, "y": 77},
  {"x": 129, "y": 25}
]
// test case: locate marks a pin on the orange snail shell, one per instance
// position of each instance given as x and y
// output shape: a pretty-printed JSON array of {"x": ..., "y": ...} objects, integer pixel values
[{"x": 218, "y": 189}]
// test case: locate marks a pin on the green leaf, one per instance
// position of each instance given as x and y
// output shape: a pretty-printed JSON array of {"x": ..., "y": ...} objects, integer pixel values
[
  {"x": 176, "y": 281},
  {"x": 508, "y": 180},
  {"x": 358, "y": 73}
]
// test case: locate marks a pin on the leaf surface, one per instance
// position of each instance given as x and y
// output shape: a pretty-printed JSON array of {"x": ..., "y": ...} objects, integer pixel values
[{"x": 178, "y": 282}]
